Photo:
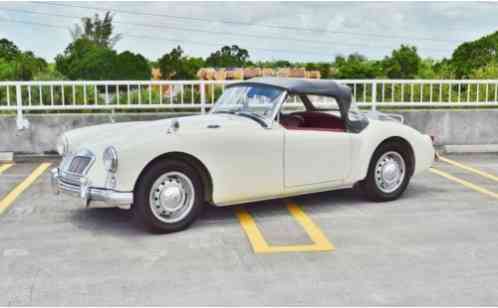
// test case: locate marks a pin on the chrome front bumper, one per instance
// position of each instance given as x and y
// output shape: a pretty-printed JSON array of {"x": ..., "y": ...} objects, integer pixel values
[{"x": 88, "y": 194}]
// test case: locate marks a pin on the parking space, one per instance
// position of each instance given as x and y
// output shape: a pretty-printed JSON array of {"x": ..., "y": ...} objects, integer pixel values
[{"x": 437, "y": 245}]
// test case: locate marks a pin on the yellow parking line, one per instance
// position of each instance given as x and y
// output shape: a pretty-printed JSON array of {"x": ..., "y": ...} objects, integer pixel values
[
  {"x": 469, "y": 168},
  {"x": 4, "y": 168},
  {"x": 465, "y": 183},
  {"x": 259, "y": 244},
  {"x": 20, "y": 188}
]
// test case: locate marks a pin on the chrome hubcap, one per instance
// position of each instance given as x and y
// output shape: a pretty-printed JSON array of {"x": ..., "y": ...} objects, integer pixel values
[
  {"x": 171, "y": 197},
  {"x": 390, "y": 172}
]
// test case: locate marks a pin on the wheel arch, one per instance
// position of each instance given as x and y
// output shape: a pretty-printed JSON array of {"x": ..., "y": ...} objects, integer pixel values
[{"x": 189, "y": 159}]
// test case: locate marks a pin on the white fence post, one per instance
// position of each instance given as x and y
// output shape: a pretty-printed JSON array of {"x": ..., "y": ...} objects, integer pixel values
[
  {"x": 374, "y": 95},
  {"x": 21, "y": 122},
  {"x": 203, "y": 97}
]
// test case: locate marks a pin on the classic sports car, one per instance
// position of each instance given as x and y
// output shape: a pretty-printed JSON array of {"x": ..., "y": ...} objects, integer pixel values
[{"x": 264, "y": 138}]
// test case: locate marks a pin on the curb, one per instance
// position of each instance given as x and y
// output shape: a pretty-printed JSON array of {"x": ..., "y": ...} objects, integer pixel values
[
  {"x": 9, "y": 157},
  {"x": 471, "y": 149}
]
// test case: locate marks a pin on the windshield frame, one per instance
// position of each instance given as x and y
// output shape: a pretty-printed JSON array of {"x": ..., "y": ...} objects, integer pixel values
[{"x": 266, "y": 122}]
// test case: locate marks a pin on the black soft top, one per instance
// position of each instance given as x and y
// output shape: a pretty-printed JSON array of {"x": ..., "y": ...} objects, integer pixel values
[
  {"x": 299, "y": 86},
  {"x": 304, "y": 86}
]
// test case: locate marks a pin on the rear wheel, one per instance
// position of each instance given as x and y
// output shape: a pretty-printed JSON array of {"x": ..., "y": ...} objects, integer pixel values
[
  {"x": 388, "y": 173},
  {"x": 169, "y": 196}
]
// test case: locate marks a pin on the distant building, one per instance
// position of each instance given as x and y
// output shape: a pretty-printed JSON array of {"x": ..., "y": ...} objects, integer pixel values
[{"x": 210, "y": 73}]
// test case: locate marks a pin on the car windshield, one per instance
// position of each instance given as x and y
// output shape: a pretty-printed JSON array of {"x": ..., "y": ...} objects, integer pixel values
[{"x": 249, "y": 100}]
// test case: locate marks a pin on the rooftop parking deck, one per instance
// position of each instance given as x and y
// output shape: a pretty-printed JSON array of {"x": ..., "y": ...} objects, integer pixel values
[{"x": 437, "y": 245}]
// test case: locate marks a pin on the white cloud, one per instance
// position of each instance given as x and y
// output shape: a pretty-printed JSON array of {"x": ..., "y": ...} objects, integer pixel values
[{"x": 348, "y": 27}]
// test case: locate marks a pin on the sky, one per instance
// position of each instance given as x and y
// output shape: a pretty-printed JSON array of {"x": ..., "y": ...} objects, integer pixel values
[{"x": 294, "y": 31}]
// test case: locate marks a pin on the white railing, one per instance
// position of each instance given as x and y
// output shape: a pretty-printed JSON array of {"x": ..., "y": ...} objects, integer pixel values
[{"x": 46, "y": 96}]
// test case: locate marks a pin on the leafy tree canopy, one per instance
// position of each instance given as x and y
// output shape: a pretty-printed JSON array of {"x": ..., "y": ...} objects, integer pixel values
[
  {"x": 8, "y": 50},
  {"x": 229, "y": 56},
  {"x": 85, "y": 59},
  {"x": 18, "y": 65},
  {"x": 403, "y": 63},
  {"x": 489, "y": 71},
  {"x": 174, "y": 65},
  {"x": 97, "y": 30},
  {"x": 356, "y": 66},
  {"x": 27, "y": 65},
  {"x": 132, "y": 66},
  {"x": 474, "y": 55}
]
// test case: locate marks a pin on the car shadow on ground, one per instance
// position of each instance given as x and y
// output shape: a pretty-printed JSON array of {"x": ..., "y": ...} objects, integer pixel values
[{"x": 122, "y": 222}]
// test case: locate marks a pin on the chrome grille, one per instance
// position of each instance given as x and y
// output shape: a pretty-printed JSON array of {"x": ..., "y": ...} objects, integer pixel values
[{"x": 78, "y": 164}]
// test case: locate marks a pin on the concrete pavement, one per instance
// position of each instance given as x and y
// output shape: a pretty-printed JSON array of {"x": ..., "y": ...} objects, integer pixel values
[{"x": 437, "y": 245}]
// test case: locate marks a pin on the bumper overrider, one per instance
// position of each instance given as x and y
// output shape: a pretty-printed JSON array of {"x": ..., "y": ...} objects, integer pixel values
[{"x": 88, "y": 194}]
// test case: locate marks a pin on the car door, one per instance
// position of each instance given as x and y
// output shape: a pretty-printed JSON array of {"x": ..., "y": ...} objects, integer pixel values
[{"x": 316, "y": 157}]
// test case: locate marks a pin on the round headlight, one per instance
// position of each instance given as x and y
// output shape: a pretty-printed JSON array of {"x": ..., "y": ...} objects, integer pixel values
[
  {"x": 62, "y": 145},
  {"x": 110, "y": 158}
]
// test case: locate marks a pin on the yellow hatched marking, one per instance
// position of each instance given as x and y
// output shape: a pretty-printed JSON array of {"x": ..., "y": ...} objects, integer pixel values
[
  {"x": 465, "y": 183},
  {"x": 259, "y": 244},
  {"x": 4, "y": 168},
  {"x": 469, "y": 168},
  {"x": 20, "y": 188}
]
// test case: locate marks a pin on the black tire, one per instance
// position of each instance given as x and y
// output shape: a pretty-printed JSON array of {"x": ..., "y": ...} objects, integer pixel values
[
  {"x": 142, "y": 206},
  {"x": 369, "y": 187}
]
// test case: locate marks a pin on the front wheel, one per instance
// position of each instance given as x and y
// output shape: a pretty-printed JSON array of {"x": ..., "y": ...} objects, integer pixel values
[
  {"x": 388, "y": 173},
  {"x": 169, "y": 196}
]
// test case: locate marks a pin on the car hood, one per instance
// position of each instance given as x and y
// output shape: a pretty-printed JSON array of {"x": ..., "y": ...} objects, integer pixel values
[{"x": 98, "y": 137}]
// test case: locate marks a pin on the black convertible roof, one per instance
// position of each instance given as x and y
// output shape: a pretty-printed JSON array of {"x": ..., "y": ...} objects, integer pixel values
[
  {"x": 298, "y": 86},
  {"x": 304, "y": 86}
]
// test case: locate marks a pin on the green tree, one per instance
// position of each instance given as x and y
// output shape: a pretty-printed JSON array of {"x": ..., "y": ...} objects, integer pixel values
[
  {"x": 170, "y": 62},
  {"x": 403, "y": 63},
  {"x": 325, "y": 70},
  {"x": 273, "y": 64},
  {"x": 132, "y": 66},
  {"x": 85, "y": 59},
  {"x": 473, "y": 55},
  {"x": 8, "y": 50},
  {"x": 7, "y": 70},
  {"x": 229, "y": 56},
  {"x": 174, "y": 65},
  {"x": 426, "y": 69},
  {"x": 26, "y": 65},
  {"x": 490, "y": 71},
  {"x": 444, "y": 69},
  {"x": 100, "y": 31},
  {"x": 356, "y": 66}
]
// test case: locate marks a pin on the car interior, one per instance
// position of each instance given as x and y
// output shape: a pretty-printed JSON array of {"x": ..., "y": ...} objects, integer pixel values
[{"x": 301, "y": 113}]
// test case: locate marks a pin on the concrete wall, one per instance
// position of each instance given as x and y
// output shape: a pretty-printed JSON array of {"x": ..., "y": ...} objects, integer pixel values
[
  {"x": 449, "y": 127},
  {"x": 456, "y": 127}
]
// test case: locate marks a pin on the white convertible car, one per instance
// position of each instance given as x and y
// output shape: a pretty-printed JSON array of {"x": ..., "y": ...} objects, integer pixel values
[{"x": 264, "y": 138}]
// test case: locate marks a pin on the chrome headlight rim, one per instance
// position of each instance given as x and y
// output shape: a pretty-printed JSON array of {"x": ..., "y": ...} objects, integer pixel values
[
  {"x": 110, "y": 159},
  {"x": 62, "y": 145}
]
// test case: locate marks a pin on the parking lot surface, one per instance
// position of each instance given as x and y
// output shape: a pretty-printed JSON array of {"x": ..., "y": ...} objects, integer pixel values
[{"x": 437, "y": 245}]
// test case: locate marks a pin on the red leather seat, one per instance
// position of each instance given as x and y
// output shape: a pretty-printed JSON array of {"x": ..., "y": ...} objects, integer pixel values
[
  {"x": 291, "y": 121},
  {"x": 320, "y": 121}
]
